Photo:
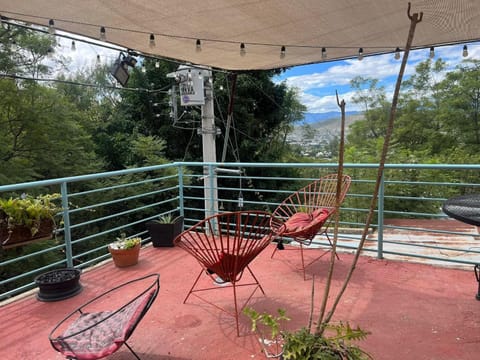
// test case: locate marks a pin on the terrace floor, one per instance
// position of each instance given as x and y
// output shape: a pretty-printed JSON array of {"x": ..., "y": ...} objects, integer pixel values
[{"x": 413, "y": 311}]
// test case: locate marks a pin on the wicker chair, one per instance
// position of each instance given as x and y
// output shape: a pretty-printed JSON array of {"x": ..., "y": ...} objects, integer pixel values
[
  {"x": 93, "y": 332},
  {"x": 308, "y": 212},
  {"x": 225, "y": 245}
]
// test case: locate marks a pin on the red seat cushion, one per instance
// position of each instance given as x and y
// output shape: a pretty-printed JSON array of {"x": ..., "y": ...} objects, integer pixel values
[{"x": 303, "y": 222}]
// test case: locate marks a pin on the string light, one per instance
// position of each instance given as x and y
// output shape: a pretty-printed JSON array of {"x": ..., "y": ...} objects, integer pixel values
[
  {"x": 465, "y": 51},
  {"x": 50, "y": 52},
  {"x": 198, "y": 45},
  {"x": 157, "y": 64},
  {"x": 151, "y": 42},
  {"x": 324, "y": 53},
  {"x": 98, "y": 60},
  {"x": 103, "y": 35},
  {"x": 432, "y": 53},
  {"x": 360, "y": 54},
  {"x": 282, "y": 52},
  {"x": 144, "y": 69},
  {"x": 51, "y": 26},
  {"x": 243, "y": 51},
  {"x": 397, "y": 53},
  {"x": 73, "y": 47}
]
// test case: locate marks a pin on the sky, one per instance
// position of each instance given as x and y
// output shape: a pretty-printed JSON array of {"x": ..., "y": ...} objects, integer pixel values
[{"x": 316, "y": 84}]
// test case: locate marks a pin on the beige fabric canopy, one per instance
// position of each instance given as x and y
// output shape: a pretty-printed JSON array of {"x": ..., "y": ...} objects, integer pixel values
[{"x": 303, "y": 27}]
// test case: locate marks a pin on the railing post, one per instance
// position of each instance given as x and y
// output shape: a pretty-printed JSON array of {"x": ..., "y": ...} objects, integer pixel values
[
  {"x": 380, "y": 205},
  {"x": 180, "y": 190},
  {"x": 66, "y": 225}
]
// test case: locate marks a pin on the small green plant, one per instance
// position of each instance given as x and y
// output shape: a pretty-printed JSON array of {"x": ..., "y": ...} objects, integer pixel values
[
  {"x": 28, "y": 211},
  {"x": 124, "y": 243},
  {"x": 335, "y": 343},
  {"x": 268, "y": 327},
  {"x": 304, "y": 345},
  {"x": 165, "y": 219}
]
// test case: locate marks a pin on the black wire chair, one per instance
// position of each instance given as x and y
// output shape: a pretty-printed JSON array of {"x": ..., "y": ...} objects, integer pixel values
[{"x": 93, "y": 332}]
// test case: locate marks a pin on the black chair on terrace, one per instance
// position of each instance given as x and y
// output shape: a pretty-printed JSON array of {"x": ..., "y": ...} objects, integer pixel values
[{"x": 95, "y": 330}]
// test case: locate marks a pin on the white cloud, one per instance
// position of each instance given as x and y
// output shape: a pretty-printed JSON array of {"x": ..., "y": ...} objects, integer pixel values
[{"x": 383, "y": 67}]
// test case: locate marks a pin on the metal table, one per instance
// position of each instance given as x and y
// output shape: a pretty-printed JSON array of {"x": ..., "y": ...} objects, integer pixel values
[{"x": 466, "y": 208}]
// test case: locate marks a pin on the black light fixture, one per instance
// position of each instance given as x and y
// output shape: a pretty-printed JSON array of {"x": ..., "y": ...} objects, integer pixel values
[{"x": 120, "y": 68}]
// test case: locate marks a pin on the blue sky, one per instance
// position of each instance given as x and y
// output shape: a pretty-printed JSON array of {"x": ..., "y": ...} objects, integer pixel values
[{"x": 317, "y": 83}]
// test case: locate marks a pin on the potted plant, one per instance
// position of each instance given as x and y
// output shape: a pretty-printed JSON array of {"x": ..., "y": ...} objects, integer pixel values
[
  {"x": 27, "y": 218},
  {"x": 164, "y": 230},
  {"x": 333, "y": 343},
  {"x": 125, "y": 251}
]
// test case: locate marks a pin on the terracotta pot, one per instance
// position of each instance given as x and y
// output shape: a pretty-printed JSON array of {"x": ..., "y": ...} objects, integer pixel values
[{"x": 125, "y": 257}]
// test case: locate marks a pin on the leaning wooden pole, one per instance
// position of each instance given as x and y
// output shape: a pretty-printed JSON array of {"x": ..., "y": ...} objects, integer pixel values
[
  {"x": 333, "y": 255},
  {"x": 414, "y": 20}
]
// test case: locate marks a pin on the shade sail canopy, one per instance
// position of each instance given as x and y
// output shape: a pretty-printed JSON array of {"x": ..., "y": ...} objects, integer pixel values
[{"x": 302, "y": 27}]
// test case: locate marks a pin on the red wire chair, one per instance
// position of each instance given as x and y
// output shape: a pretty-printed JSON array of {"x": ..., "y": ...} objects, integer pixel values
[
  {"x": 225, "y": 245},
  {"x": 93, "y": 332},
  {"x": 307, "y": 212}
]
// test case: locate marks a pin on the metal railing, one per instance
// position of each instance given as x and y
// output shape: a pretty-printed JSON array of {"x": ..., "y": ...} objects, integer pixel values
[{"x": 96, "y": 208}]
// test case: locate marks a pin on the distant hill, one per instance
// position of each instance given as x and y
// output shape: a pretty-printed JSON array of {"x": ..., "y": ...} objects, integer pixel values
[
  {"x": 326, "y": 127},
  {"x": 310, "y": 118}
]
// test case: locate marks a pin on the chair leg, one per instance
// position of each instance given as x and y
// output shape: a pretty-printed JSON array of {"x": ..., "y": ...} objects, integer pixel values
[
  {"x": 303, "y": 262},
  {"x": 236, "y": 307},
  {"x": 193, "y": 286},
  {"x": 131, "y": 350}
]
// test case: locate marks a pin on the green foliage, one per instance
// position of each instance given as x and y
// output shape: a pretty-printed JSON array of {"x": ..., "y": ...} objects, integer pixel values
[
  {"x": 334, "y": 344},
  {"x": 29, "y": 211},
  {"x": 270, "y": 321},
  {"x": 124, "y": 243},
  {"x": 303, "y": 345}
]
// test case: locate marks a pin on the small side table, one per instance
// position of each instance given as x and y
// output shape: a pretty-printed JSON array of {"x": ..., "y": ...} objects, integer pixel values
[{"x": 466, "y": 208}]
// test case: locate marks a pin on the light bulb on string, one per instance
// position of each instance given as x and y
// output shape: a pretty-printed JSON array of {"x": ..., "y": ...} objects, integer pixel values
[
  {"x": 397, "y": 53},
  {"x": 465, "y": 51},
  {"x": 51, "y": 26},
  {"x": 98, "y": 62},
  {"x": 282, "y": 52},
  {"x": 157, "y": 64},
  {"x": 144, "y": 68},
  {"x": 431, "y": 55},
  {"x": 360, "y": 54},
  {"x": 103, "y": 34},
  {"x": 73, "y": 47},
  {"x": 324, "y": 53},
  {"x": 50, "y": 52},
  {"x": 243, "y": 51},
  {"x": 151, "y": 42},
  {"x": 198, "y": 45}
]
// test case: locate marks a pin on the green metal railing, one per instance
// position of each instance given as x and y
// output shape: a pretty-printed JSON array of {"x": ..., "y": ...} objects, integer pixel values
[{"x": 96, "y": 208}]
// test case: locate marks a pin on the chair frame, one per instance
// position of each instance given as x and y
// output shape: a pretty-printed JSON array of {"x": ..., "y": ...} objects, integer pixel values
[
  {"x": 319, "y": 194},
  {"x": 226, "y": 233},
  {"x": 153, "y": 288}
]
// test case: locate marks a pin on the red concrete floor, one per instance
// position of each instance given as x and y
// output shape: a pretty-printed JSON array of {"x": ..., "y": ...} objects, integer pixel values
[{"x": 413, "y": 311}]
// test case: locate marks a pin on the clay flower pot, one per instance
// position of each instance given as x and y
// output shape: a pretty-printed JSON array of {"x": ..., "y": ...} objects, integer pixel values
[{"x": 125, "y": 257}]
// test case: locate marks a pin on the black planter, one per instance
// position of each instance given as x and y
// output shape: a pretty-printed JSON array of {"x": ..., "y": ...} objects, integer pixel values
[
  {"x": 163, "y": 234},
  {"x": 58, "y": 284}
]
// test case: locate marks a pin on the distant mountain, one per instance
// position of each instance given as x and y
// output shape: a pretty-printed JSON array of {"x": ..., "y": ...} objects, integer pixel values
[{"x": 311, "y": 118}]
